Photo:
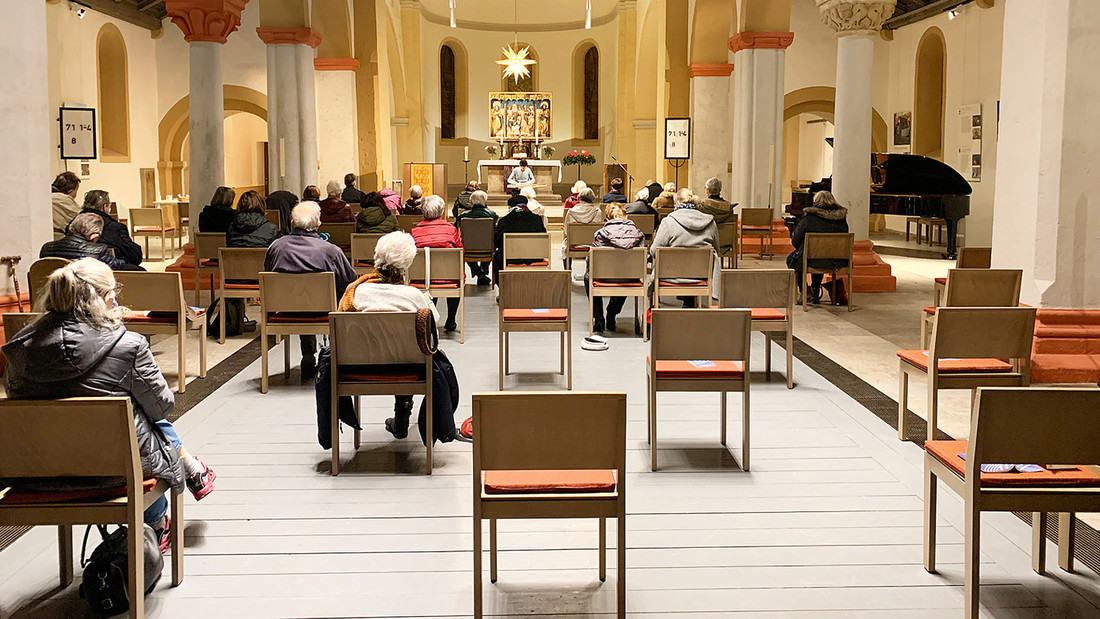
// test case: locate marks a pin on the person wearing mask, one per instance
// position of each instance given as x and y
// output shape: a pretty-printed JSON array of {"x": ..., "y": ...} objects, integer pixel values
[
  {"x": 63, "y": 197},
  {"x": 586, "y": 211},
  {"x": 479, "y": 209},
  {"x": 333, "y": 209},
  {"x": 434, "y": 231},
  {"x": 282, "y": 201},
  {"x": 517, "y": 220},
  {"x": 216, "y": 216},
  {"x": 616, "y": 194},
  {"x": 312, "y": 193},
  {"x": 82, "y": 241},
  {"x": 462, "y": 202},
  {"x": 114, "y": 234},
  {"x": 413, "y": 205},
  {"x": 351, "y": 193},
  {"x": 374, "y": 216},
  {"x": 714, "y": 205},
  {"x": 572, "y": 200},
  {"x": 640, "y": 205},
  {"x": 250, "y": 227},
  {"x": 521, "y": 176},
  {"x": 826, "y": 216},
  {"x": 686, "y": 227},
  {"x": 620, "y": 233}
]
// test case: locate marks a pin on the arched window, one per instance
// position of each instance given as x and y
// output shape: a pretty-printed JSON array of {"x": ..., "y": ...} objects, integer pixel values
[
  {"x": 592, "y": 94},
  {"x": 526, "y": 84},
  {"x": 447, "y": 93},
  {"x": 114, "y": 94},
  {"x": 928, "y": 95}
]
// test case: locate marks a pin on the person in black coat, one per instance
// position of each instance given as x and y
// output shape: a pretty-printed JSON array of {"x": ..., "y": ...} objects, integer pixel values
[
  {"x": 216, "y": 216},
  {"x": 82, "y": 241},
  {"x": 250, "y": 227},
  {"x": 114, "y": 234},
  {"x": 616, "y": 194},
  {"x": 351, "y": 194},
  {"x": 519, "y": 219},
  {"x": 824, "y": 216},
  {"x": 284, "y": 202}
]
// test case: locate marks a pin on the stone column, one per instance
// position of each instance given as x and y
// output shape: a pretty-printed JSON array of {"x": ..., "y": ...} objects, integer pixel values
[
  {"x": 758, "y": 116},
  {"x": 1046, "y": 217},
  {"x": 338, "y": 151},
  {"x": 292, "y": 107},
  {"x": 206, "y": 25},
  {"x": 710, "y": 113},
  {"x": 857, "y": 23}
]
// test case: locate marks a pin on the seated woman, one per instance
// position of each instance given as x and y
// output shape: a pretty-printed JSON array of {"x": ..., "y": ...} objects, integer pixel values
[
  {"x": 826, "y": 215},
  {"x": 435, "y": 232},
  {"x": 586, "y": 211},
  {"x": 387, "y": 290},
  {"x": 333, "y": 208},
  {"x": 250, "y": 227},
  {"x": 413, "y": 204},
  {"x": 572, "y": 200},
  {"x": 80, "y": 348},
  {"x": 517, "y": 220},
  {"x": 311, "y": 192},
  {"x": 374, "y": 216},
  {"x": 216, "y": 216},
  {"x": 621, "y": 233}
]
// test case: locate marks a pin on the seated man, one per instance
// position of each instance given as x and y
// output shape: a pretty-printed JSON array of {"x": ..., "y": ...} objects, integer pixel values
[
  {"x": 63, "y": 198},
  {"x": 479, "y": 209},
  {"x": 714, "y": 205},
  {"x": 82, "y": 241},
  {"x": 462, "y": 202},
  {"x": 114, "y": 234},
  {"x": 517, "y": 220},
  {"x": 303, "y": 251},
  {"x": 351, "y": 194},
  {"x": 521, "y": 177},
  {"x": 616, "y": 194},
  {"x": 686, "y": 226}
]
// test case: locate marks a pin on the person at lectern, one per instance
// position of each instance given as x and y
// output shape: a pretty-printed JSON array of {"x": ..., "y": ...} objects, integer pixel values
[{"x": 521, "y": 176}]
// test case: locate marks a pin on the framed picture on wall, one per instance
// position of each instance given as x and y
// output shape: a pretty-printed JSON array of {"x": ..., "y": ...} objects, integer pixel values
[
  {"x": 903, "y": 128},
  {"x": 677, "y": 138},
  {"x": 78, "y": 133}
]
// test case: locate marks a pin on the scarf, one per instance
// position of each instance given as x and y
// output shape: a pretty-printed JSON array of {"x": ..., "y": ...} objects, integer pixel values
[{"x": 347, "y": 302}]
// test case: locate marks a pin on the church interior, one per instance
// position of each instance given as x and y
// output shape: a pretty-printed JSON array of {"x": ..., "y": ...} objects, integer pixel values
[{"x": 881, "y": 207}]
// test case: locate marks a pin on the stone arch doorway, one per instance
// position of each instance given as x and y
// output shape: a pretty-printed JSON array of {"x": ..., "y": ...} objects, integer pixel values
[{"x": 821, "y": 101}]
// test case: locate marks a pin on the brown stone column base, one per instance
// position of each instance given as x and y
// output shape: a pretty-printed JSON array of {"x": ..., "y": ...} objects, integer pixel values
[{"x": 871, "y": 273}]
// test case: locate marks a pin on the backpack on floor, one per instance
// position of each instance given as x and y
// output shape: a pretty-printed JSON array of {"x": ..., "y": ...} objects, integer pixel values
[
  {"x": 234, "y": 318},
  {"x": 106, "y": 573}
]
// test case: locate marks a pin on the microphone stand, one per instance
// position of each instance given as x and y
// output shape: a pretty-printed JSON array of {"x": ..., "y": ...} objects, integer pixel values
[{"x": 623, "y": 168}]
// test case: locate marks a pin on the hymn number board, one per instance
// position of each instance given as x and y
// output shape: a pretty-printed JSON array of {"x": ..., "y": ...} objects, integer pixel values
[
  {"x": 677, "y": 138},
  {"x": 78, "y": 133}
]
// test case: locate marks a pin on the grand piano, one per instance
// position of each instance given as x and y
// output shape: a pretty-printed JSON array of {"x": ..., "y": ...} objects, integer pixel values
[{"x": 909, "y": 185}]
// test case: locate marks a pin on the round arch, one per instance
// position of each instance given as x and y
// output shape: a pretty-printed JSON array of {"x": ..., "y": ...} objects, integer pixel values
[
  {"x": 821, "y": 101},
  {"x": 332, "y": 20},
  {"x": 462, "y": 83},
  {"x": 577, "y": 65},
  {"x": 929, "y": 90},
  {"x": 113, "y": 92}
]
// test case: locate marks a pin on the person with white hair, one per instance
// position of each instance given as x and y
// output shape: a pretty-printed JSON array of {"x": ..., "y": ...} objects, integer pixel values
[
  {"x": 333, "y": 208},
  {"x": 714, "y": 205},
  {"x": 667, "y": 197},
  {"x": 640, "y": 205},
  {"x": 434, "y": 231},
  {"x": 115, "y": 234},
  {"x": 479, "y": 209},
  {"x": 586, "y": 211},
  {"x": 572, "y": 200},
  {"x": 82, "y": 240},
  {"x": 303, "y": 251},
  {"x": 533, "y": 205},
  {"x": 415, "y": 202}
]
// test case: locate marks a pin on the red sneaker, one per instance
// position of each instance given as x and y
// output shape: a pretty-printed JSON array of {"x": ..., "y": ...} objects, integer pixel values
[
  {"x": 201, "y": 484},
  {"x": 163, "y": 534}
]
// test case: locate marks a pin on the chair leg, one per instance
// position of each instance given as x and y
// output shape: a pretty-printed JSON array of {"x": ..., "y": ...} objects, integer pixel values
[
  {"x": 745, "y": 427},
  {"x": 477, "y": 565},
  {"x": 930, "y": 496},
  {"x": 653, "y": 423},
  {"x": 506, "y": 365},
  {"x": 903, "y": 401},
  {"x": 767, "y": 356},
  {"x": 569, "y": 358},
  {"x": 1067, "y": 537},
  {"x": 790, "y": 357},
  {"x": 603, "y": 549},
  {"x": 65, "y": 554},
  {"x": 176, "y": 538},
  {"x": 492, "y": 550},
  {"x": 972, "y": 559},
  {"x": 221, "y": 317},
  {"x": 357, "y": 432},
  {"x": 620, "y": 555},
  {"x": 500, "y": 361},
  {"x": 181, "y": 356},
  {"x": 933, "y": 408},
  {"x": 561, "y": 354},
  {"x": 722, "y": 408},
  {"x": 202, "y": 348},
  {"x": 135, "y": 543},
  {"x": 264, "y": 369},
  {"x": 1039, "y": 542}
]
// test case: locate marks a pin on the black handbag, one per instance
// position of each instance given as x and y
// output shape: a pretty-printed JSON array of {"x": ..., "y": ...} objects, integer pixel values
[{"x": 106, "y": 573}]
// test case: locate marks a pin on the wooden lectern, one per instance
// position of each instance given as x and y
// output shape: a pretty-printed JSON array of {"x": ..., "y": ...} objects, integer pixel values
[
  {"x": 613, "y": 171},
  {"x": 432, "y": 178}
]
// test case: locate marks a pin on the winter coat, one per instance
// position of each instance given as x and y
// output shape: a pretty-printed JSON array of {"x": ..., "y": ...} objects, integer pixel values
[
  {"x": 64, "y": 209},
  {"x": 75, "y": 247},
  {"x": 478, "y": 212},
  {"x": 282, "y": 201},
  {"x": 641, "y": 207},
  {"x": 435, "y": 233},
  {"x": 667, "y": 199},
  {"x": 352, "y": 195},
  {"x": 392, "y": 199},
  {"x": 412, "y": 207},
  {"x": 251, "y": 230},
  {"x": 817, "y": 219},
  {"x": 375, "y": 220},
  {"x": 655, "y": 190},
  {"x": 117, "y": 237},
  {"x": 571, "y": 201},
  {"x": 613, "y": 197},
  {"x": 686, "y": 227},
  {"x": 618, "y": 233},
  {"x": 335, "y": 210},
  {"x": 216, "y": 218},
  {"x": 717, "y": 208},
  {"x": 584, "y": 213},
  {"x": 517, "y": 220},
  {"x": 58, "y": 356},
  {"x": 305, "y": 252},
  {"x": 462, "y": 203}
]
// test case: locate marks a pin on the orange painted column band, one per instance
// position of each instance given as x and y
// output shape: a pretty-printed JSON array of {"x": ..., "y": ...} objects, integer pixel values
[
  {"x": 271, "y": 35},
  {"x": 336, "y": 64},
  {"x": 710, "y": 70},
  {"x": 760, "y": 40}
]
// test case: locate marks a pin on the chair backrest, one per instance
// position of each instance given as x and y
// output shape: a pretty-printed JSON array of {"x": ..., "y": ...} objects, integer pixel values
[
  {"x": 1034, "y": 425},
  {"x": 339, "y": 233},
  {"x": 151, "y": 291},
  {"x": 207, "y": 245},
  {"x": 983, "y": 333},
  {"x": 445, "y": 263},
  {"x": 727, "y": 237},
  {"x": 974, "y": 258},
  {"x": 646, "y": 222},
  {"x": 297, "y": 292},
  {"x": 580, "y": 235},
  {"x": 148, "y": 216},
  {"x": 761, "y": 288},
  {"x": 362, "y": 247},
  {"x": 527, "y": 246},
  {"x": 549, "y": 430},
  {"x": 39, "y": 272},
  {"x": 374, "y": 338},
  {"x": 761, "y": 217},
  {"x": 829, "y": 245},
  {"x": 274, "y": 215},
  {"x": 16, "y": 322},
  {"x": 407, "y": 222},
  {"x": 241, "y": 263},
  {"x": 711, "y": 334},
  {"x": 683, "y": 263},
  {"x": 477, "y": 234},
  {"x": 534, "y": 288},
  {"x": 355, "y": 207},
  {"x": 983, "y": 288},
  {"x": 612, "y": 263},
  {"x": 76, "y": 437}
]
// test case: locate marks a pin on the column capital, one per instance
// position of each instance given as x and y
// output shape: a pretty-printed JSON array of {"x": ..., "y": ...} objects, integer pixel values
[
  {"x": 760, "y": 40},
  {"x": 852, "y": 17},
  {"x": 206, "y": 20},
  {"x": 272, "y": 35},
  {"x": 723, "y": 69}
]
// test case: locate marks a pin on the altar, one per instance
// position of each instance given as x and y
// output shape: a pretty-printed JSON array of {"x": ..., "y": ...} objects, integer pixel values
[{"x": 492, "y": 174}]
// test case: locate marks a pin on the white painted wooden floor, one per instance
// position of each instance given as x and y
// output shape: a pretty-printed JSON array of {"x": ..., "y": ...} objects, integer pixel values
[{"x": 827, "y": 524}]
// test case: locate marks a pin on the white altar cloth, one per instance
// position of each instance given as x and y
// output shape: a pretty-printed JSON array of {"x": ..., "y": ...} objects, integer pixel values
[{"x": 534, "y": 164}]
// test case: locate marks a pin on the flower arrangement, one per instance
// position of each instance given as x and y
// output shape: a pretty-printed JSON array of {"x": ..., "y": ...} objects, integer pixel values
[
  {"x": 548, "y": 152},
  {"x": 578, "y": 158},
  {"x": 492, "y": 150}
]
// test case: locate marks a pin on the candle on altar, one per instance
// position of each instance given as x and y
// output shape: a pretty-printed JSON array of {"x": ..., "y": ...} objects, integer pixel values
[{"x": 465, "y": 153}]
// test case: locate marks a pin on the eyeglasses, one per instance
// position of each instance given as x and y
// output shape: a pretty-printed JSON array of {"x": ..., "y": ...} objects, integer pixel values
[{"x": 117, "y": 289}]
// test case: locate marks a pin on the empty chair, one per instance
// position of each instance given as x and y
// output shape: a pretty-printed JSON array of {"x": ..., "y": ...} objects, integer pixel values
[
  {"x": 1019, "y": 426},
  {"x": 757, "y": 222},
  {"x": 646, "y": 222},
  {"x": 578, "y": 240},
  {"x": 969, "y": 258},
  {"x": 971, "y": 347},
  {"x": 527, "y": 250},
  {"x": 39, "y": 271},
  {"x": 535, "y": 301},
  {"x": 975, "y": 288},
  {"x": 293, "y": 304},
  {"x": 239, "y": 274},
  {"x": 339, "y": 233},
  {"x": 446, "y": 280},
  {"x": 153, "y": 221},
  {"x": 207, "y": 245},
  {"x": 769, "y": 295},
  {"x": 549, "y": 455},
  {"x": 683, "y": 272},
  {"x": 836, "y": 246},
  {"x": 727, "y": 243},
  {"x": 362, "y": 252},
  {"x": 699, "y": 350},
  {"x": 406, "y": 222},
  {"x": 621, "y": 273}
]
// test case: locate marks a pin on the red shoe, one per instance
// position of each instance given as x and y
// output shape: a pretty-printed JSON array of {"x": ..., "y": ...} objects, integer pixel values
[
  {"x": 201, "y": 484},
  {"x": 164, "y": 534}
]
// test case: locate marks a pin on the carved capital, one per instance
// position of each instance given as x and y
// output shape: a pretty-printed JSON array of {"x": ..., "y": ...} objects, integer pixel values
[
  {"x": 849, "y": 17},
  {"x": 289, "y": 36},
  {"x": 760, "y": 40},
  {"x": 206, "y": 20},
  {"x": 710, "y": 70}
]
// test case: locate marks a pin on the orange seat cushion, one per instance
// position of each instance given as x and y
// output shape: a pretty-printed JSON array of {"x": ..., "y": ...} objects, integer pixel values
[
  {"x": 553, "y": 313},
  {"x": 941, "y": 280},
  {"x": 255, "y": 286},
  {"x": 613, "y": 284},
  {"x": 699, "y": 369},
  {"x": 548, "y": 481},
  {"x": 436, "y": 283},
  {"x": 768, "y": 313},
  {"x": 293, "y": 317},
  {"x": 580, "y": 247},
  {"x": 948, "y": 452},
  {"x": 405, "y": 373},
  {"x": 209, "y": 262},
  {"x": 152, "y": 317},
  {"x": 930, "y": 309},
  {"x": 692, "y": 284},
  {"x": 152, "y": 229},
  {"x": 534, "y": 263},
  {"x": 760, "y": 228},
  {"x": 364, "y": 263},
  {"x": 919, "y": 358},
  {"x": 17, "y": 496}
]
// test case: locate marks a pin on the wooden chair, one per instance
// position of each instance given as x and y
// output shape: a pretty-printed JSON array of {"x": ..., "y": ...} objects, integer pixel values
[
  {"x": 239, "y": 271},
  {"x": 975, "y": 288},
  {"x": 478, "y": 239},
  {"x": 968, "y": 258},
  {"x": 40, "y": 271},
  {"x": 14, "y": 322},
  {"x": 527, "y": 250},
  {"x": 550, "y": 455},
  {"x": 699, "y": 350},
  {"x": 274, "y": 215},
  {"x": 727, "y": 244},
  {"x": 447, "y": 280},
  {"x": 158, "y": 307},
  {"x": 757, "y": 222},
  {"x": 362, "y": 251},
  {"x": 83, "y": 437},
  {"x": 535, "y": 301},
  {"x": 376, "y": 353},
  {"x": 971, "y": 347},
  {"x": 339, "y": 234},
  {"x": 769, "y": 295},
  {"x": 935, "y": 228},
  {"x": 355, "y": 207},
  {"x": 836, "y": 245},
  {"x": 153, "y": 221},
  {"x": 293, "y": 304},
  {"x": 207, "y": 245},
  {"x": 647, "y": 223},
  {"x": 407, "y": 222},
  {"x": 578, "y": 240},
  {"x": 694, "y": 264},
  {"x": 915, "y": 223},
  {"x": 618, "y": 273},
  {"x": 1042, "y": 426}
]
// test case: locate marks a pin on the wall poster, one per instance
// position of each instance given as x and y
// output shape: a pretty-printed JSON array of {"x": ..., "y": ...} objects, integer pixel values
[
  {"x": 78, "y": 133},
  {"x": 903, "y": 128},
  {"x": 677, "y": 138},
  {"x": 512, "y": 115},
  {"x": 970, "y": 142}
]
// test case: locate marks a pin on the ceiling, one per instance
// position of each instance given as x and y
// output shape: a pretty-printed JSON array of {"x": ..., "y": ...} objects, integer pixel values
[
  {"x": 531, "y": 16},
  {"x": 144, "y": 13},
  {"x": 912, "y": 11}
]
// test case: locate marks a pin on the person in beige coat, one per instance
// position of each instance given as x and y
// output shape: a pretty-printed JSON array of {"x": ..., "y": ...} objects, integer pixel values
[{"x": 63, "y": 197}]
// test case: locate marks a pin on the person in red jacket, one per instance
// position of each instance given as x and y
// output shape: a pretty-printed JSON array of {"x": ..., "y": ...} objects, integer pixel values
[{"x": 434, "y": 231}]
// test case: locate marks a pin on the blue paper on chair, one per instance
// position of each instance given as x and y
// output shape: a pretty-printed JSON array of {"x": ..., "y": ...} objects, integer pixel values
[
  {"x": 1006, "y": 468},
  {"x": 702, "y": 363}
]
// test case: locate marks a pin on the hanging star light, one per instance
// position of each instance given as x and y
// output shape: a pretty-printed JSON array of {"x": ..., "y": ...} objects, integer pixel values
[{"x": 515, "y": 63}]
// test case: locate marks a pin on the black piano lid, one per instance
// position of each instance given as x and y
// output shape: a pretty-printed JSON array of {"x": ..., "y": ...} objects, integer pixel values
[{"x": 915, "y": 174}]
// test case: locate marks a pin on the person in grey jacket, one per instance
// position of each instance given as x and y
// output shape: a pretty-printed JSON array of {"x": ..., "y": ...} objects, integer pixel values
[
  {"x": 80, "y": 348},
  {"x": 686, "y": 226},
  {"x": 586, "y": 211},
  {"x": 620, "y": 233}
]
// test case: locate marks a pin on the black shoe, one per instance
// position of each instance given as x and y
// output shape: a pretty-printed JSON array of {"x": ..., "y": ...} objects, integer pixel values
[
  {"x": 309, "y": 367},
  {"x": 610, "y": 324},
  {"x": 450, "y": 327},
  {"x": 391, "y": 427},
  {"x": 598, "y": 326},
  {"x": 484, "y": 281},
  {"x": 815, "y": 295}
]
